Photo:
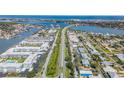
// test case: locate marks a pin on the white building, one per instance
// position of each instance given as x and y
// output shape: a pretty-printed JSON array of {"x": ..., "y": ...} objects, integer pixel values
[
  {"x": 86, "y": 73},
  {"x": 31, "y": 53}
]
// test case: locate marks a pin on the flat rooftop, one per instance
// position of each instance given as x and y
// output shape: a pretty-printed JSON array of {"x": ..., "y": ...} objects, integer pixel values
[{"x": 85, "y": 73}]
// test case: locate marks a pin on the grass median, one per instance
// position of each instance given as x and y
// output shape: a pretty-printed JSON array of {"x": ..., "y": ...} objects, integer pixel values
[{"x": 52, "y": 68}]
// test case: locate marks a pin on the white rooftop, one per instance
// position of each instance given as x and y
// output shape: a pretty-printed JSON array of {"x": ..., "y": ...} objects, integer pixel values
[
  {"x": 120, "y": 56},
  {"x": 109, "y": 69},
  {"x": 85, "y": 72}
]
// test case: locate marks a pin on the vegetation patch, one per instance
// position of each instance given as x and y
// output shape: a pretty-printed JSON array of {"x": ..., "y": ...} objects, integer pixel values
[
  {"x": 68, "y": 58},
  {"x": 52, "y": 68}
]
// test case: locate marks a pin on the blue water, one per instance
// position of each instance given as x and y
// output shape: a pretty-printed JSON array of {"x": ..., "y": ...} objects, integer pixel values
[
  {"x": 64, "y": 17},
  {"x": 97, "y": 29},
  {"x": 5, "y": 44}
]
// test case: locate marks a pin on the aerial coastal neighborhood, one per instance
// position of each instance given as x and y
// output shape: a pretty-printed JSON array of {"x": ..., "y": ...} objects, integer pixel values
[
  {"x": 24, "y": 57},
  {"x": 97, "y": 57},
  {"x": 61, "y": 48}
]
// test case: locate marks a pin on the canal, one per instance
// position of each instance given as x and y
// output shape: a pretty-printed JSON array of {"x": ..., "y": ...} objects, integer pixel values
[
  {"x": 7, "y": 43},
  {"x": 97, "y": 29}
]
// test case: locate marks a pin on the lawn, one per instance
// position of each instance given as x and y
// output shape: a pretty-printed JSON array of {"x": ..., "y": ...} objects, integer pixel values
[
  {"x": 17, "y": 59},
  {"x": 67, "y": 73},
  {"x": 117, "y": 51},
  {"x": 52, "y": 68}
]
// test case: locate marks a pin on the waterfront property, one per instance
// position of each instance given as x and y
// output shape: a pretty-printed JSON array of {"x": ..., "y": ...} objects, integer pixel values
[
  {"x": 97, "y": 55},
  {"x": 23, "y": 56},
  {"x": 85, "y": 48}
]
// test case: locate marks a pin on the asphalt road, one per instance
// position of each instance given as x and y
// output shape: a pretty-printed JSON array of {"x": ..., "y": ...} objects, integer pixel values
[
  {"x": 62, "y": 57},
  {"x": 48, "y": 58}
]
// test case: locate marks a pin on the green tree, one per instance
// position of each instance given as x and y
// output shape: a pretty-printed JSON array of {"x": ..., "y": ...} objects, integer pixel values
[{"x": 31, "y": 74}]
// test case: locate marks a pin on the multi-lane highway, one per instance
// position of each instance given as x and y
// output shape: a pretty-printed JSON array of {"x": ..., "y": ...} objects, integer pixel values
[
  {"x": 62, "y": 57},
  {"x": 48, "y": 58}
]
